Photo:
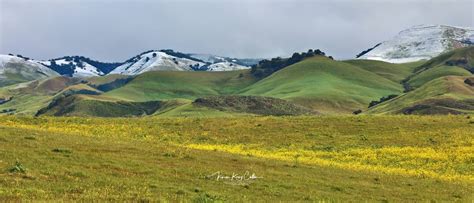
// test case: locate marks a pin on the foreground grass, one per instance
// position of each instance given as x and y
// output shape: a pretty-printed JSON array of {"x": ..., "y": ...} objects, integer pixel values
[{"x": 374, "y": 158}]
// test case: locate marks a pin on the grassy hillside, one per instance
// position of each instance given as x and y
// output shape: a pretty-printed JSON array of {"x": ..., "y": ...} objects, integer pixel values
[
  {"x": 436, "y": 72},
  {"x": 336, "y": 159},
  {"x": 325, "y": 85},
  {"x": 89, "y": 105},
  {"x": 450, "y": 94},
  {"x": 392, "y": 71},
  {"x": 186, "y": 108},
  {"x": 164, "y": 85}
]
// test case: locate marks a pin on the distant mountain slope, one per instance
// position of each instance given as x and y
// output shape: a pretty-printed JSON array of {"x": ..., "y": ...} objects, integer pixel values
[
  {"x": 14, "y": 69},
  {"x": 153, "y": 60},
  {"x": 325, "y": 85},
  {"x": 173, "y": 61},
  {"x": 156, "y": 60},
  {"x": 420, "y": 42},
  {"x": 209, "y": 58}
]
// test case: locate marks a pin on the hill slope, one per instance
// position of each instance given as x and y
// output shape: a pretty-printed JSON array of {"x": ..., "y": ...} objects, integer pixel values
[
  {"x": 395, "y": 72},
  {"x": 450, "y": 94},
  {"x": 163, "y": 85},
  {"x": 458, "y": 62},
  {"x": 325, "y": 85}
]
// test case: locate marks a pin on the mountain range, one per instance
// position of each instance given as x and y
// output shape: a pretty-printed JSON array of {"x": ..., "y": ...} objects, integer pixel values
[
  {"x": 166, "y": 59},
  {"x": 423, "y": 70}
]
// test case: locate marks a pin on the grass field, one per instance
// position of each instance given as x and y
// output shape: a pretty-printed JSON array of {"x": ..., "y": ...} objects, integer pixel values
[{"x": 329, "y": 158}]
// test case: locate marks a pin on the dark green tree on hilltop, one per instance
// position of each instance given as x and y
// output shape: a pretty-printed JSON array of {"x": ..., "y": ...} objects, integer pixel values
[{"x": 266, "y": 67}]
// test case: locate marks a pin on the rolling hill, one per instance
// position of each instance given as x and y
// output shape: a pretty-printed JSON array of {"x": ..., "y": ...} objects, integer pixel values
[
  {"x": 325, "y": 85},
  {"x": 162, "y": 85}
]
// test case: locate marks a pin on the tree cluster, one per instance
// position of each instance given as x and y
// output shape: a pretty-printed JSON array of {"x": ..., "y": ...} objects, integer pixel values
[
  {"x": 266, "y": 67},
  {"x": 383, "y": 99}
]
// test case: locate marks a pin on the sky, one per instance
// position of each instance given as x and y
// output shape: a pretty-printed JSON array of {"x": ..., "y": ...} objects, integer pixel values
[{"x": 115, "y": 30}]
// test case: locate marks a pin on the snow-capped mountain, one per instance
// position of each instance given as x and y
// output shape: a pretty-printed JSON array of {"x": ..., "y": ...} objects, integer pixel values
[
  {"x": 176, "y": 61},
  {"x": 15, "y": 69},
  {"x": 153, "y": 60},
  {"x": 156, "y": 60},
  {"x": 226, "y": 66},
  {"x": 420, "y": 42},
  {"x": 209, "y": 58},
  {"x": 79, "y": 66}
]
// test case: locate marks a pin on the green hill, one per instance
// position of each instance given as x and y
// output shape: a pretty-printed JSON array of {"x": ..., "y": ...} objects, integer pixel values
[
  {"x": 325, "y": 85},
  {"x": 165, "y": 85}
]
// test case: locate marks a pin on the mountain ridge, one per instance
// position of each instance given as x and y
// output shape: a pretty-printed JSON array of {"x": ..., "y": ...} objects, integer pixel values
[{"x": 168, "y": 59}]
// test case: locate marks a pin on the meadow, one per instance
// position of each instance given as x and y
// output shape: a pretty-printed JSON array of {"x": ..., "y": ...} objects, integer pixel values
[{"x": 304, "y": 158}]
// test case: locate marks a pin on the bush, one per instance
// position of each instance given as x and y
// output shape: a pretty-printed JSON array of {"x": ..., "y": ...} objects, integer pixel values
[
  {"x": 62, "y": 150},
  {"x": 17, "y": 168}
]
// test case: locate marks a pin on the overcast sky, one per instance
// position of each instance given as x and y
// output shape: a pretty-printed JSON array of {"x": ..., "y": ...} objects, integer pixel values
[{"x": 115, "y": 30}]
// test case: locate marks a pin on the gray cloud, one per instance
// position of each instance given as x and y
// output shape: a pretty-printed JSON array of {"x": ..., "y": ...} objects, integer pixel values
[{"x": 114, "y": 30}]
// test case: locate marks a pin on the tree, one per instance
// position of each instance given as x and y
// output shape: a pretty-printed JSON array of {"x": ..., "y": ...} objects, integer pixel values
[{"x": 154, "y": 55}]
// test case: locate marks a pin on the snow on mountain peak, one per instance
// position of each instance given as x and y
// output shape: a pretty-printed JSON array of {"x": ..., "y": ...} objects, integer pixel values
[
  {"x": 156, "y": 60},
  {"x": 79, "y": 66},
  {"x": 170, "y": 60},
  {"x": 421, "y": 42}
]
